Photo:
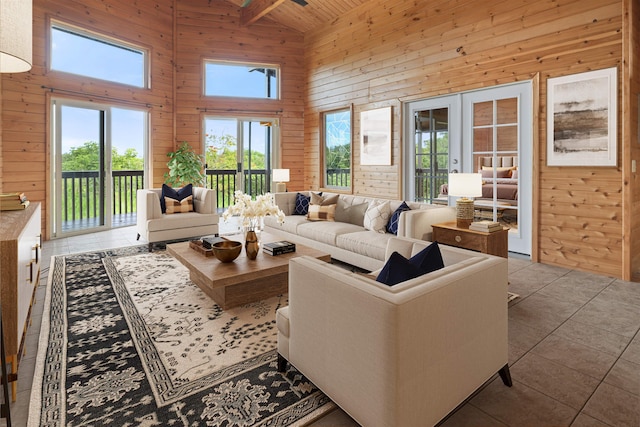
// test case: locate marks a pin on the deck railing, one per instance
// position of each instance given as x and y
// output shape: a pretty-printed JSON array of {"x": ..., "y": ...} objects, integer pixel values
[{"x": 81, "y": 197}]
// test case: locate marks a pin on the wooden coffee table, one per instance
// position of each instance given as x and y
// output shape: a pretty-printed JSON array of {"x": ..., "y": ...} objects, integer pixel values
[{"x": 243, "y": 280}]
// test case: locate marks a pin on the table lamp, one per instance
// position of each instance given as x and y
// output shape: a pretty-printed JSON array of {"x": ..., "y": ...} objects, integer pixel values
[
  {"x": 465, "y": 185},
  {"x": 280, "y": 176}
]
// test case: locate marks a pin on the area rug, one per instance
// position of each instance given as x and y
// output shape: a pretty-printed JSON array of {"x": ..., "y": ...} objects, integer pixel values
[{"x": 128, "y": 340}]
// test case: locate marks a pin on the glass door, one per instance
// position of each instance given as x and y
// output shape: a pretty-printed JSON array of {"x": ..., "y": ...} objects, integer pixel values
[
  {"x": 239, "y": 156},
  {"x": 97, "y": 166}
]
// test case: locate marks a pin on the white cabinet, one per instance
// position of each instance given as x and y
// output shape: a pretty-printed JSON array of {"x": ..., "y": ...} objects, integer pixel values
[{"x": 20, "y": 256}]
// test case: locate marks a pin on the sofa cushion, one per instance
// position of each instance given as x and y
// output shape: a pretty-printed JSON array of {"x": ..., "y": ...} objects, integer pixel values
[
  {"x": 399, "y": 269},
  {"x": 178, "y": 195},
  {"x": 392, "y": 225},
  {"x": 326, "y": 231},
  {"x": 174, "y": 206},
  {"x": 321, "y": 213},
  {"x": 302, "y": 204},
  {"x": 365, "y": 242},
  {"x": 290, "y": 224},
  {"x": 184, "y": 220},
  {"x": 377, "y": 217},
  {"x": 353, "y": 214}
]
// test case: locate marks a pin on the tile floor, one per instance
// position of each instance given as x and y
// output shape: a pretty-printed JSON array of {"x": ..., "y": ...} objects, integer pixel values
[{"x": 574, "y": 348}]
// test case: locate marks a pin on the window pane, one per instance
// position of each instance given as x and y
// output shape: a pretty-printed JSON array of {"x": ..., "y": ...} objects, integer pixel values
[
  {"x": 88, "y": 55},
  {"x": 240, "y": 80},
  {"x": 337, "y": 149}
]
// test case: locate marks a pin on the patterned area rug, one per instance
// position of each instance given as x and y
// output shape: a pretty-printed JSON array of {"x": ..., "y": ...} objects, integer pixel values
[{"x": 128, "y": 340}]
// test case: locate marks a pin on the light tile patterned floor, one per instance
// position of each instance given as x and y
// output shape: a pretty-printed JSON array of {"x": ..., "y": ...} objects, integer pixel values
[{"x": 574, "y": 348}]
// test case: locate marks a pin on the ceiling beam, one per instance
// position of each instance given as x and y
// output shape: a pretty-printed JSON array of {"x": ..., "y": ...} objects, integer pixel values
[{"x": 257, "y": 9}]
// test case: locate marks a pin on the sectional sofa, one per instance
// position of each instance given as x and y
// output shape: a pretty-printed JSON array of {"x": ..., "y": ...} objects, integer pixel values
[{"x": 345, "y": 236}]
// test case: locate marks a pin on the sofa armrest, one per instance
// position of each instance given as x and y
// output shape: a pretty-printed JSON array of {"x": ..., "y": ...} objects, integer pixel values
[
  {"x": 435, "y": 340},
  {"x": 204, "y": 200},
  {"x": 148, "y": 206},
  {"x": 416, "y": 223}
]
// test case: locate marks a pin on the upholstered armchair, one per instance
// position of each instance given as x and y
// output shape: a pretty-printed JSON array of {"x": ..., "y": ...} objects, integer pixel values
[
  {"x": 405, "y": 355},
  {"x": 156, "y": 226}
]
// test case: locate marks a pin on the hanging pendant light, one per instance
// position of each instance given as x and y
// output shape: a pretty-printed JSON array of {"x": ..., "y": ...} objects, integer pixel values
[{"x": 16, "y": 36}]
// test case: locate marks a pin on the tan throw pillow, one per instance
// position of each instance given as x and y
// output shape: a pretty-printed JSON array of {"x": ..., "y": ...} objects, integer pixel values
[
  {"x": 317, "y": 199},
  {"x": 377, "y": 217},
  {"x": 353, "y": 214},
  {"x": 321, "y": 213},
  {"x": 178, "y": 206}
]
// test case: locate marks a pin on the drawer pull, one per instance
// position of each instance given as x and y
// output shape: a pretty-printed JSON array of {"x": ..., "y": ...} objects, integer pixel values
[
  {"x": 36, "y": 248},
  {"x": 30, "y": 267},
  {"x": 458, "y": 238}
]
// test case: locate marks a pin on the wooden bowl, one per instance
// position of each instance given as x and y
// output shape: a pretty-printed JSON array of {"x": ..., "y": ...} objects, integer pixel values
[{"x": 227, "y": 250}]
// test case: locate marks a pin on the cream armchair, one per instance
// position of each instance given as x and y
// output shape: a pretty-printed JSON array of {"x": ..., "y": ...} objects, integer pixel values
[
  {"x": 405, "y": 355},
  {"x": 155, "y": 226}
]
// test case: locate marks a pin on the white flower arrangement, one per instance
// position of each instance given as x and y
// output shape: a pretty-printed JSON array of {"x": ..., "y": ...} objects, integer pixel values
[{"x": 253, "y": 211}]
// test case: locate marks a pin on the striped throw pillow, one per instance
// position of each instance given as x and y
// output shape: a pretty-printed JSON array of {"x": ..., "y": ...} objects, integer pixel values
[{"x": 178, "y": 206}]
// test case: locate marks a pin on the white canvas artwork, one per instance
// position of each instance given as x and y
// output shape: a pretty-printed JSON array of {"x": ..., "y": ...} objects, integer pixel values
[{"x": 375, "y": 137}]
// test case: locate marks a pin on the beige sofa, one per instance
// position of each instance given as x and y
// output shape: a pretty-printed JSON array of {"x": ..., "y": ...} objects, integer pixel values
[
  {"x": 405, "y": 355},
  {"x": 353, "y": 243},
  {"x": 155, "y": 226}
]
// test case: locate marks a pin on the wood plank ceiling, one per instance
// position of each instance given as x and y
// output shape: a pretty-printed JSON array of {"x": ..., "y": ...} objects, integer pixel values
[{"x": 291, "y": 14}]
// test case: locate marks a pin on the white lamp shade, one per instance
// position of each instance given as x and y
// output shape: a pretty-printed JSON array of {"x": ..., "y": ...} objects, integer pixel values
[
  {"x": 15, "y": 36},
  {"x": 281, "y": 175},
  {"x": 465, "y": 184}
]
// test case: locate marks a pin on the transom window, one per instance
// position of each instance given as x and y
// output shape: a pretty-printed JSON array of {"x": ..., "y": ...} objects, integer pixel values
[
  {"x": 241, "y": 80},
  {"x": 336, "y": 135},
  {"x": 85, "y": 53}
]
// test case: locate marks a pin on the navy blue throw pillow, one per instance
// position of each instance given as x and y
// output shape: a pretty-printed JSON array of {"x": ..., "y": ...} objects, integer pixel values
[
  {"x": 178, "y": 195},
  {"x": 302, "y": 204},
  {"x": 392, "y": 225},
  {"x": 399, "y": 269}
]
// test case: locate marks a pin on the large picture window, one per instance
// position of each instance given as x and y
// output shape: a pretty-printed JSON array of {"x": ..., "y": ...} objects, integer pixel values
[
  {"x": 336, "y": 141},
  {"x": 85, "y": 53},
  {"x": 241, "y": 80}
]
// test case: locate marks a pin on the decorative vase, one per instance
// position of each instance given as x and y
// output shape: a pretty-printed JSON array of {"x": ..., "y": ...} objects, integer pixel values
[{"x": 251, "y": 244}]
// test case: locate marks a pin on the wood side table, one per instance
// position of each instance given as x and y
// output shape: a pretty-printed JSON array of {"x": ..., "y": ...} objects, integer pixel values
[{"x": 495, "y": 243}]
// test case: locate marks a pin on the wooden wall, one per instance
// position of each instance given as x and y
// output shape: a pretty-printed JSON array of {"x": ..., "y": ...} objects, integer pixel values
[
  {"x": 631, "y": 131},
  {"x": 382, "y": 54},
  {"x": 213, "y": 32},
  {"x": 212, "y": 29}
]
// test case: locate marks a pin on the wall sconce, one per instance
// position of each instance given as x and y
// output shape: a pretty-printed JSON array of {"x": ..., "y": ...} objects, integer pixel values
[
  {"x": 281, "y": 176},
  {"x": 16, "y": 36},
  {"x": 465, "y": 185}
]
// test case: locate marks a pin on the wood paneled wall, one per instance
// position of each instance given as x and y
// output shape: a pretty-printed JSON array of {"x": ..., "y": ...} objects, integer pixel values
[
  {"x": 165, "y": 27},
  {"x": 385, "y": 53},
  {"x": 213, "y": 32}
]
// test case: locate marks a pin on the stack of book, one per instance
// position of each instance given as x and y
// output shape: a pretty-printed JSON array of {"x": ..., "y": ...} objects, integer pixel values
[
  {"x": 278, "y": 248},
  {"x": 13, "y": 201},
  {"x": 485, "y": 226}
]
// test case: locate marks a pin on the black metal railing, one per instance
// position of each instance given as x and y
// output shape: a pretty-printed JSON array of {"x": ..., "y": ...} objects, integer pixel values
[
  {"x": 428, "y": 184},
  {"x": 82, "y": 200}
]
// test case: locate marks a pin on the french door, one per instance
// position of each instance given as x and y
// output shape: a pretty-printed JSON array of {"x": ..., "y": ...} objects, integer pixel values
[
  {"x": 97, "y": 165},
  {"x": 487, "y": 131},
  {"x": 240, "y": 155}
]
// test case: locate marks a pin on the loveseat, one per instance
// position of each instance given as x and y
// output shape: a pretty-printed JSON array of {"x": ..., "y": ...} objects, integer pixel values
[
  {"x": 156, "y": 226},
  {"x": 403, "y": 355},
  {"x": 349, "y": 240}
]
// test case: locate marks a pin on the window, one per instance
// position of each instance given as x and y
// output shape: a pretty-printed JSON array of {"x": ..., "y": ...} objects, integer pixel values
[
  {"x": 241, "y": 80},
  {"x": 87, "y": 54},
  {"x": 336, "y": 137}
]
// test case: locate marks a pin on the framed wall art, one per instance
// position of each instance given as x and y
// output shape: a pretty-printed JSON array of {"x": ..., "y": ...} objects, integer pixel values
[
  {"x": 582, "y": 119},
  {"x": 375, "y": 137}
]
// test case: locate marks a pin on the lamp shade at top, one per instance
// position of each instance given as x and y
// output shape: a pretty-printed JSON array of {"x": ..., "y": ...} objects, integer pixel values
[
  {"x": 15, "y": 36},
  {"x": 465, "y": 184},
  {"x": 281, "y": 175}
]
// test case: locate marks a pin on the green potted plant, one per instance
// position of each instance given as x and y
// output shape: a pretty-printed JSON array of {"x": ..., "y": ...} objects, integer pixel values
[{"x": 185, "y": 167}]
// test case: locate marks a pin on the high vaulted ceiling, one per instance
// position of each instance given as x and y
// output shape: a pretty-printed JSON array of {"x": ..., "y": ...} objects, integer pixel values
[{"x": 290, "y": 14}]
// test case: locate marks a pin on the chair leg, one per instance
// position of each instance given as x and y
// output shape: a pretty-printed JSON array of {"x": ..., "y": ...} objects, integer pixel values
[
  {"x": 505, "y": 375},
  {"x": 138, "y": 238},
  {"x": 282, "y": 363},
  {"x": 150, "y": 247}
]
